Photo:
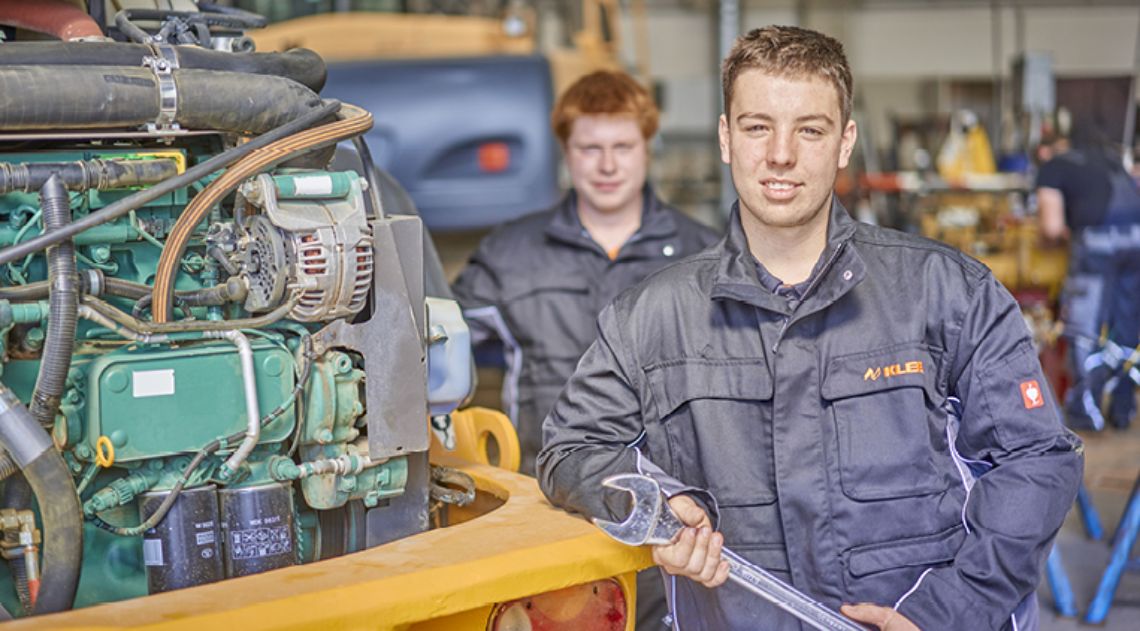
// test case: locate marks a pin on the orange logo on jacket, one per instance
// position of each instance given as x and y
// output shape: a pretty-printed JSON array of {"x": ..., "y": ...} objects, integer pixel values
[
  {"x": 893, "y": 370},
  {"x": 1031, "y": 396}
]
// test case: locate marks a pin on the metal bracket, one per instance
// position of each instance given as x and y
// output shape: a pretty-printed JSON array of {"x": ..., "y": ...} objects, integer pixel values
[{"x": 164, "y": 62}]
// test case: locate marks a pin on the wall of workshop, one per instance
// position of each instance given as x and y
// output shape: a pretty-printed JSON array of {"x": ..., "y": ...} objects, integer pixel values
[{"x": 892, "y": 50}]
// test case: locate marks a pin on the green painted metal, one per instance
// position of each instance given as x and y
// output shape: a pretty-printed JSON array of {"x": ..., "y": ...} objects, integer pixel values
[
  {"x": 310, "y": 185},
  {"x": 158, "y": 401},
  {"x": 160, "y": 404}
]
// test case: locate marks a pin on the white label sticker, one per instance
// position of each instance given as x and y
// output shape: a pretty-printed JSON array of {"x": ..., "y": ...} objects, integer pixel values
[
  {"x": 152, "y": 552},
  {"x": 152, "y": 383},
  {"x": 313, "y": 185}
]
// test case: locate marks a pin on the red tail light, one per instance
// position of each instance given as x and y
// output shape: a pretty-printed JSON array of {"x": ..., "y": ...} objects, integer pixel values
[
  {"x": 494, "y": 157},
  {"x": 597, "y": 606}
]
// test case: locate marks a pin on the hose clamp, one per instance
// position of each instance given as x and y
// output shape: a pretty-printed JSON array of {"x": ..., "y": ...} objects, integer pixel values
[{"x": 164, "y": 62}]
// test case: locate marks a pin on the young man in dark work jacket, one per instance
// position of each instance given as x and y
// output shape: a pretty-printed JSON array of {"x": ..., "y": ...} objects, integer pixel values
[{"x": 857, "y": 410}]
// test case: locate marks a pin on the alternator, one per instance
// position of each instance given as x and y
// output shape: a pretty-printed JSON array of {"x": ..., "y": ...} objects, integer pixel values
[{"x": 313, "y": 238}]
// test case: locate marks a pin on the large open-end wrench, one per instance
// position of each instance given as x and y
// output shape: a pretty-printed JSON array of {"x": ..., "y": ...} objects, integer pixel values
[{"x": 652, "y": 522}]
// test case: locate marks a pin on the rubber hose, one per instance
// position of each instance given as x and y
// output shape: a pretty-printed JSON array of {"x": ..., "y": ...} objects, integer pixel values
[
  {"x": 64, "y": 307},
  {"x": 82, "y": 175},
  {"x": 99, "y": 97},
  {"x": 60, "y": 513},
  {"x": 137, "y": 200},
  {"x": 300, "y": 64}
]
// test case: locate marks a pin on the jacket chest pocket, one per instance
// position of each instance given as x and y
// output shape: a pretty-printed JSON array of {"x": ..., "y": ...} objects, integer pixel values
[
  {"x": 891, "y": 435},
  {"x": 716, "y": 415}
]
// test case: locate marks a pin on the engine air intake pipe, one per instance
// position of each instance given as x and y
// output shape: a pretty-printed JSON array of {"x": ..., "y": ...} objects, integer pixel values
[
  {"x": 103, "y": 97},
  {"x": 47, "y": 474},
  {"x": 300, "y": 64}
]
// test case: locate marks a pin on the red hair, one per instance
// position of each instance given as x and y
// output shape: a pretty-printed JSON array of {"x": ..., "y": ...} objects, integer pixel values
[{"x": 605, "y": 92}]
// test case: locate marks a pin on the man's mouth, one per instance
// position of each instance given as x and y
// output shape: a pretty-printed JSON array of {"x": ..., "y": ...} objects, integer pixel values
[{"x": 780, "y": 189}]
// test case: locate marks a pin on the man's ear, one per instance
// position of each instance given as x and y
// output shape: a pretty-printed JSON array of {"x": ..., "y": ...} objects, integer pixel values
[
  {"x": 725, "y": 141},
  {"x": 847, "y": 143}
]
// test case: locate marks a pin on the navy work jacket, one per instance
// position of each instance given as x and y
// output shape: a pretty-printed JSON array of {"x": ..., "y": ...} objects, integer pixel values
[
  {"x": 538, "y": 283},
  {"x": 836, "y": 439}
]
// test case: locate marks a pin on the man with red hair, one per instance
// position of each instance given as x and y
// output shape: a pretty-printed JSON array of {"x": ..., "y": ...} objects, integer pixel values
[{"x": 538, "y": 282}]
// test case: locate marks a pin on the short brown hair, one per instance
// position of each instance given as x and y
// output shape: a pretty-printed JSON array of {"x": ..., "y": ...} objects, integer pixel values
[
  {"x": 605, "y": 92},
  {"x": 789, "y": 51}
]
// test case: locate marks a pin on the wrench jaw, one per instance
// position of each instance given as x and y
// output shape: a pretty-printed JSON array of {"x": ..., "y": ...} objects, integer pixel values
[{"x": 651, "y": 521}]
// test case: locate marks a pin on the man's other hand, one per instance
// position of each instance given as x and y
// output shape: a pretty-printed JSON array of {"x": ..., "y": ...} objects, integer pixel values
[
  {"x": 882, "y": 618},
  {"x": 695, "y": 552}
]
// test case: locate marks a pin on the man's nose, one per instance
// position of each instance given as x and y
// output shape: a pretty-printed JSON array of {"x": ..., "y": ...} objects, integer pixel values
[
  {"x": 782, "y": 150},
  {"x": 609, "y": 162}
]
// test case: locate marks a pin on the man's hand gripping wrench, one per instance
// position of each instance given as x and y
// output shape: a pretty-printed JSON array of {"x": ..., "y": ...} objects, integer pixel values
[{"x": 652, "y": 522}]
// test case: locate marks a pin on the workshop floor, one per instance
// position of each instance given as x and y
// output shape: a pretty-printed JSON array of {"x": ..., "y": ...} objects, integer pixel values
[{"x": 1112, "y": 462}]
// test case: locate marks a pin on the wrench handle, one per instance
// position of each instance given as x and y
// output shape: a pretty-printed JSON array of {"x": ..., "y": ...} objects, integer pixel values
[{"x": 784, "y": 596}]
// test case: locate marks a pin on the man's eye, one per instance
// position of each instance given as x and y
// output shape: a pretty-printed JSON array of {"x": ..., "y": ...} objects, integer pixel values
[
  {"x": 813, "y": 131},
  {"x": 756, "y": 128}
]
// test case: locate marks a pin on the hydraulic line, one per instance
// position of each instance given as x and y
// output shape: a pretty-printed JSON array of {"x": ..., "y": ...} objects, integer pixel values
[
  {"x": 353, "y": 122},
  {"x": 189, "y": 326},
  {"x": 64, "y": 296},
  {"x": 191, "y": 175}
]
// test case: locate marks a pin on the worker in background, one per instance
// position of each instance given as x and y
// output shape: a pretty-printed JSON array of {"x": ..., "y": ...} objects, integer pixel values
[
  {"x": 538, "y": 283},
  {"x": 813, "y": 392},
  {"x": 1086, "y": 194}
]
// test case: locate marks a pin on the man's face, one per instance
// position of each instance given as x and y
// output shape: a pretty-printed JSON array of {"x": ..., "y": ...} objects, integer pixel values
[
  {"x": 785, "y": 141},
  {"x": 607, "y": 159}
]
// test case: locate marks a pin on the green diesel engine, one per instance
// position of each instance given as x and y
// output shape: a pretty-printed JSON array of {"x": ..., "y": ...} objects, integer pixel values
[{"x": 214, "y": 345}]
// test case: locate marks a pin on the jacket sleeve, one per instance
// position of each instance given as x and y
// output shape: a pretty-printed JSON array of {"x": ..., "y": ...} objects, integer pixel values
[
  {"x": 478, "y": 289},
  {"x": 595, "y": 430},
  {"x": 1010, "y": 422}
]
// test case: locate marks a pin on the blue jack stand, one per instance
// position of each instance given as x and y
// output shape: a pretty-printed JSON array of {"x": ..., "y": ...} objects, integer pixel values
[
  {"x": 1119, "y": 561},
  {"x": 1089, "y": 516},
  {"x": 1059, "y": 584}
]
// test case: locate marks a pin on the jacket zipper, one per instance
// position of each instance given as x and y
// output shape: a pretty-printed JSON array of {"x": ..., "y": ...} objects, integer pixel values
[{"x": 807, "y": 292}]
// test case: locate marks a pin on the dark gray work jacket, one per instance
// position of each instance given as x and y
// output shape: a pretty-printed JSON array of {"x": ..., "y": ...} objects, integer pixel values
[
  {"x": 820, "y": 432},
  {"x": 538, "y": 283}
]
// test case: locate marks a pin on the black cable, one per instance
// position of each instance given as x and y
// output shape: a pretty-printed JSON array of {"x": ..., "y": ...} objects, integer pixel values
[
  {"x": 135, "y": 201},
  {"x": 375, "y": 208}
]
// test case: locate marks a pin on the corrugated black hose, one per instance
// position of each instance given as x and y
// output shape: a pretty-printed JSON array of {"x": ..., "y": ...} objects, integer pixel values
[{"x": 64, "y": 306}]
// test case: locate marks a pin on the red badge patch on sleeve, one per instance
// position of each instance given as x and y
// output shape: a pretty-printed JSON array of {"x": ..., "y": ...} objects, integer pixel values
[{"x": 1031, "y": 394}]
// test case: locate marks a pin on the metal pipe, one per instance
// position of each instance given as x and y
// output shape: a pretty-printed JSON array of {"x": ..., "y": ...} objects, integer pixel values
[
  {"x": 253, "y": 413},
  {"x": 184, "y": 326}
]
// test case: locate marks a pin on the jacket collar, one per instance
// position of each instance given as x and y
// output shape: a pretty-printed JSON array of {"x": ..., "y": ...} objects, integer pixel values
[
  {"x": 566, "y": 226},
  {"x": 736, "y": 276}
]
